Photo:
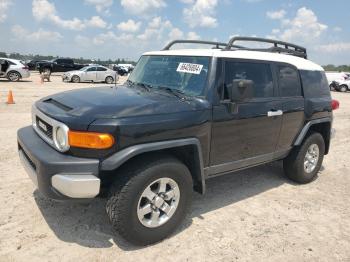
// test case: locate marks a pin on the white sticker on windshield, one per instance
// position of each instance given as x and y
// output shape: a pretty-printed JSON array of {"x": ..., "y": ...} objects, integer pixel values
[{"x": 189, "y": 68}]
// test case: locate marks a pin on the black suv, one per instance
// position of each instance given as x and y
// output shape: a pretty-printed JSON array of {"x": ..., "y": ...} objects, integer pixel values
[{"x": 183, "y": 116}]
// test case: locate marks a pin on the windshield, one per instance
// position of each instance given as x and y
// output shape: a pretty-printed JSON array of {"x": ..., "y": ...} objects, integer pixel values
[
  {"x": 84, "y": 68},
  {"x": 187, "y": 74}
]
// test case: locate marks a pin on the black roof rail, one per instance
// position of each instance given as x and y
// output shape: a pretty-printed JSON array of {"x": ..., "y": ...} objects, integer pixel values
[
  {"x": 278, "y": 46},
  {"x": 215, "y": 44}
]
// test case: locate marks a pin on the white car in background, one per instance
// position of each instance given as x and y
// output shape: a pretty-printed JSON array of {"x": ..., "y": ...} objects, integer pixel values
[
  {"x": 13, "y": 69},
  {"x": 336, "y": 76},
  {"x": 91, "y": 73}
]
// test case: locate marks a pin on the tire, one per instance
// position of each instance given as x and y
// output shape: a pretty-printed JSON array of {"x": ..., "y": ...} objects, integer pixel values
[
  {"x": 75, "y": 79},
  {"x": 13, "y": 76},
  {"x": 294, "y": 164},
  {"x": 343, "y": 88},
  {"x": 125, "y": 199},
  {"x": 109, "y": 80},
  {"x": 331, "y": 88}
]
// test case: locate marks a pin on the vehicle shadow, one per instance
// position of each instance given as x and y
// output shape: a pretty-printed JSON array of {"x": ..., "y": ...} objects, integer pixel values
[
  {"x": 87, "y": 224},
  {"x": 20, "y": 81}
]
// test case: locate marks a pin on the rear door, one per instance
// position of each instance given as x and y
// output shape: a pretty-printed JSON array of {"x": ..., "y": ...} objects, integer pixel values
[
  {"x": 101, "y": 73},
  {"x": 246, "y": 132},
  {"x": 292, "y": 100}
]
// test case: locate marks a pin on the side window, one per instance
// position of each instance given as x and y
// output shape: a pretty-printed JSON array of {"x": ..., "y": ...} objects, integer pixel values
[
  {"x": 101, "y": 69},
  {"x": 91, "y": 69},
  {"x": 259, "y": 74},
  {"x": 315, "y": 84},
  {"x": 289, "y": 82}
]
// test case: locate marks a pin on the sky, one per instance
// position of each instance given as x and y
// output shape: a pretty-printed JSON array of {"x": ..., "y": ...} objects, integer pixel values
[{"x": 126, "y": 28}]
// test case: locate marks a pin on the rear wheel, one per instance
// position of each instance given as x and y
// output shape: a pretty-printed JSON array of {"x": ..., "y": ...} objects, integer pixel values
[
  {"x": 75, "y": 79},
  {"x": 13, "y": 76},
  {"x": 109, "y": 80},
  {"x": 343, "y": 88},
  {"x": 150, "y": 200},
  {"x": 304, "y": 162}
]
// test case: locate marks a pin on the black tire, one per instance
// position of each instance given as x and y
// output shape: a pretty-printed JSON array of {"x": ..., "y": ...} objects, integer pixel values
[
  {"x": 126, "y": 192},
  {"x": 109, "y": 80},
  {"x": 75, "y": 79},
  {"x": 293, "y": 164},
  {"x": 343, "y": 88},
  {"x": 13, "y": 76},
  {"x": 331, "y": 87}
]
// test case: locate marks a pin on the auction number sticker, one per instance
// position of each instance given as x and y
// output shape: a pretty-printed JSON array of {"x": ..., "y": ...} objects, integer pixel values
[{"x": 189, "y": 68}]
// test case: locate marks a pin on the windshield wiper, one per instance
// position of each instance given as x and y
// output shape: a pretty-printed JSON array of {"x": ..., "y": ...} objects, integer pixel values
[
  {"x": 143, "y": 85},
  {"x": 176, "y": 92}
]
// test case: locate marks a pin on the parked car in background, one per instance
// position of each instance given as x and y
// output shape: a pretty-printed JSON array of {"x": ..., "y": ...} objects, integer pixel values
[
  {"x": 32, "y": 63},
  {"x": 335, "y": 76},
  {"x": 341, "y": 85},
  {"x": 121, "y": 70},
  {"x": 58, "y": 65},
  {"x": 128, "y": 67},
  {"x": 93, "y": 73},
  {"x": 13, "y": 69}
]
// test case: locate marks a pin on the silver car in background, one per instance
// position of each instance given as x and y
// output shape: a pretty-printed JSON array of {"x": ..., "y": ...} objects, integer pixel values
[{"x": 91, "y": 73}]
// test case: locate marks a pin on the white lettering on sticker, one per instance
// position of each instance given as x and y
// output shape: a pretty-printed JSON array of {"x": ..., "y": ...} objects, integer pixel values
[{"x": 189, "y": 68}]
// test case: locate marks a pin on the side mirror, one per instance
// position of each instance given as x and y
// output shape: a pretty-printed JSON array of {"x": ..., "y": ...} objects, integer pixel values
[{"x": 240, "y": 90}]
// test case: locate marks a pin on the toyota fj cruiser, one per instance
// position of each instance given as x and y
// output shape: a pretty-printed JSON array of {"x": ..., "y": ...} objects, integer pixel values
[{"x": 183, "y": 116}]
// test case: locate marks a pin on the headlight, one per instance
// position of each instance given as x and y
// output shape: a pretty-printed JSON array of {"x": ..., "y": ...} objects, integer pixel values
[{"x": 61, "y": 138}]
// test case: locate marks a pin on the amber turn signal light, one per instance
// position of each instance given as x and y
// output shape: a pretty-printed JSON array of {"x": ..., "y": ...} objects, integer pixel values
[{"x": 90, "y": 140}]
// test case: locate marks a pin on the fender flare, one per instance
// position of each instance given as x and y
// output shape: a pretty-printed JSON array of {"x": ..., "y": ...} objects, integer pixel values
[
  {"x": 120, "y": 157},
  {"x": 306, "y": 128}
]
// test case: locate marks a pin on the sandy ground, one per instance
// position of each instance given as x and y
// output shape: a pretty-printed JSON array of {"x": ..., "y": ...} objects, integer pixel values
[{"x": 254, "y": 215}]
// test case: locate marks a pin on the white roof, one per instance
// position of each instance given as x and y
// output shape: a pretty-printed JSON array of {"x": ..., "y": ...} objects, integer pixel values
[{"x": 300, "y": 63}]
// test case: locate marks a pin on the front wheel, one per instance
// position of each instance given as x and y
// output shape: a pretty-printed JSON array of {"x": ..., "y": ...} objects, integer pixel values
[
  {"x": 304, "y": 162},
  {"x": 343, "y": 88},
  {"x": 75, "y": 79},
  {"x": 150, "y": 201}
]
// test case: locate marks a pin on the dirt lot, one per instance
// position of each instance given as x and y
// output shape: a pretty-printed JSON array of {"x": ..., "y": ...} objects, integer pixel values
[{"x": 252, "y": 215}]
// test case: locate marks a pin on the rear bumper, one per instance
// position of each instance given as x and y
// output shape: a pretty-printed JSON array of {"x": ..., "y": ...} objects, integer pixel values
[
  {"x": 56, "y": 175},
  {"x": 25, "y": 74}
]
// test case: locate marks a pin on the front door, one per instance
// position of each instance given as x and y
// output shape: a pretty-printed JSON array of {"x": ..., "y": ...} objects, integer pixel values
[
  {"x": 91, "y": 74},
  {"x": 245, "y": 132}
]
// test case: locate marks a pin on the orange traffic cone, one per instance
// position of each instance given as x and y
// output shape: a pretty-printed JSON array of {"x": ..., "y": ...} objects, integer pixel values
[{"x": 10, "y": 98}]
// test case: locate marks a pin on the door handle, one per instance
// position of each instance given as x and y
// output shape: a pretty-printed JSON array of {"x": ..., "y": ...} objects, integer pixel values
[{"x": 274, "y": 113}]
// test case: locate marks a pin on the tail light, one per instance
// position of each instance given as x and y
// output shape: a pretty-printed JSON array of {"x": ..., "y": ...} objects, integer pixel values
[
  {"x": 335, "y": 104},
  {"x": 25, "y": 67}
]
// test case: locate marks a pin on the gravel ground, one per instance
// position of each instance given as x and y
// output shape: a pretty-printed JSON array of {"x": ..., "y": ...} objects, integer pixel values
[{"x": 252, "y": 215}]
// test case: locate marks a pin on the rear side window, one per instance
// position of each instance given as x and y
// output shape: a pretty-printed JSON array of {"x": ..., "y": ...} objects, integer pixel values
[
  {"x": 101, "y": 69},
  {"x": 289, "y": 82},
  {"x": 315, "y": 83},
  {"x": 259, "y": 73}
]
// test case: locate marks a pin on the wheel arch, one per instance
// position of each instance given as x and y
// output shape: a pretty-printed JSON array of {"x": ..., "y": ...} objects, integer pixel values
[
  {"x": 187, "y": 151},
  {"x": 322, "y": 126}
]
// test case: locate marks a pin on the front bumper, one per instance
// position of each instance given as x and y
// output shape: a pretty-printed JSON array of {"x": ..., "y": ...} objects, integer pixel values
[
  {"x": 66, "y": 78},
  {"x": 56, "y": 175}
]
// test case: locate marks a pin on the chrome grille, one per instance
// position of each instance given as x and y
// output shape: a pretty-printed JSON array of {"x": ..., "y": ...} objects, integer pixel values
[{"x": 44, "y": 127}]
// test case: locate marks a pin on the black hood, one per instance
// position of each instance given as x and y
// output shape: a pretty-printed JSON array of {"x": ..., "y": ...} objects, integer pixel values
[{"x": 78, "y": 108}]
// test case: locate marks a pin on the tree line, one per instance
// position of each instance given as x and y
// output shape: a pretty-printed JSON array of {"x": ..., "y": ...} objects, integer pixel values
[{"x": 80, "y": 60}]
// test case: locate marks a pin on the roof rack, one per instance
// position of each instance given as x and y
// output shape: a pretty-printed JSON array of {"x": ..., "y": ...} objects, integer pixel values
[
  {"x": 278, "y": 46},
  {"x": 215, "y": 44}
]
